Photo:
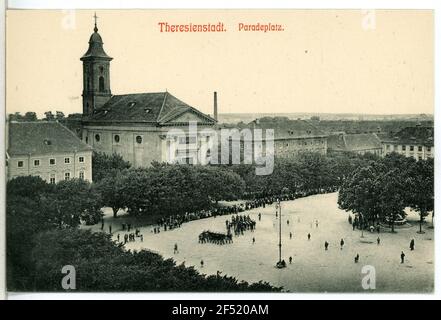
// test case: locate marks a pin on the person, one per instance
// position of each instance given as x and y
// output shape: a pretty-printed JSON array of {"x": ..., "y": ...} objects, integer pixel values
[
  {"x": 378, "y": 241},
  {"x": 142, "y": 238},
  {"x": 309, "y": 236},
  {"x": 412, "y": 245},
  {"x": 110, "y": 228},
  {"x": 254, "y": 240},
  {"x": 276, "y": 213},
  {"x": 357, "y": 257},
  {"x": 117, "y": 237},
  {"x": 260, "y": 216},
  {"x": 353, "y": 226},
  {"x": 290, "y": 235},
  {"x": 290, "y": 260},
  {"x": 350, "y": 219},
  {"x": 402, "y": 256},
  {"x": 378, "y": 228},
  {"x": 102, "y": 224},
  {"x": 316, "y": 223},
  {"x": 342, "y": 243},
  {"x": 326, "y": 245},
  {"x": 176, "y": 248},
  {"x": 287, "y": 222},
  {"x": 202, "y": 263}
]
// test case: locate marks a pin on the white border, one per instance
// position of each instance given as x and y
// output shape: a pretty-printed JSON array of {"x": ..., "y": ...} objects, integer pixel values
[{"x": 216, "y": 4}]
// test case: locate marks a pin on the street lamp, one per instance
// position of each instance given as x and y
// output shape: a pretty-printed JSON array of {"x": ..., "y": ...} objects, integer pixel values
[{"x": 280, "y": 264}]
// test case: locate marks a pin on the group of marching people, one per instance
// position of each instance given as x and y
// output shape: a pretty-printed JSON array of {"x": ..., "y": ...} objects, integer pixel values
[
  {"x": 215, "y": 237},
  {"x": 239, "y": 224}
]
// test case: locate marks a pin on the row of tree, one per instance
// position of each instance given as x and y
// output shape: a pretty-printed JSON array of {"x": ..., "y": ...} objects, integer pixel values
[
  {"x": 382, "y": 190},
  {"x": 32, "y": 116}
]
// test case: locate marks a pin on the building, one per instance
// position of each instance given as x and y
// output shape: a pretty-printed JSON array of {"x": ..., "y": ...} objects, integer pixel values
[
  {"x": 357, "y": 143},
  {"x": 291, "y": 137},
  {"x": 48, "y": 150},
  {"x": 416, "y": 142},
  {"x": 141, "y": 127}
]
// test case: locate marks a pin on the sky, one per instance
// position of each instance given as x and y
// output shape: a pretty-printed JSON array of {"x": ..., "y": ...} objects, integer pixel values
[{"x": 332, "y": 61}]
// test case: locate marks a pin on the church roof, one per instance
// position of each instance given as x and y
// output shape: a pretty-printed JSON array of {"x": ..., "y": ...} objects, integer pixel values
[
  {"x": 96, "y": 49},
  {"x": 354, "y": 142},
  {"x": 158, "y": 108},
  {"x": 42, "y": 137}
]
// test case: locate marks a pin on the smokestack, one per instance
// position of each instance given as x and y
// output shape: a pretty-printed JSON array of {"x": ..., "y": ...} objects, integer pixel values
[{"x": 215, "y": 106}]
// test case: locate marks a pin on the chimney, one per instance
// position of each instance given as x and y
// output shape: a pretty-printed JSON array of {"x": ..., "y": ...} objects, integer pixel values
[{"x": 215, "y": 106}]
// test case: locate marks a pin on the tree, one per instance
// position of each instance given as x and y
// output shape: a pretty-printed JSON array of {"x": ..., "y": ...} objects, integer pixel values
[
  {"x": 111, "y": 191},
  {"x": 76, "y": 201},
  {"x": 59, "y": 115},
  {"x": 49, "y": 116},
  {"x": 104, "y": 165},
  {"x": 420, "y": 188},
  {"x": 16, "y": 116},
  {"x": 30, "y": 116}
]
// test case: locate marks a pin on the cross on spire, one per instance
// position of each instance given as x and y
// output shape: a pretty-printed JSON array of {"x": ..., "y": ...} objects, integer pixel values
[{"x": 96, "y": 18}]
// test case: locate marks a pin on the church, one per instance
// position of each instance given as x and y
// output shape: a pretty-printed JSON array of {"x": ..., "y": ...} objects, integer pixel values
[{"x": 137, "y": 126}]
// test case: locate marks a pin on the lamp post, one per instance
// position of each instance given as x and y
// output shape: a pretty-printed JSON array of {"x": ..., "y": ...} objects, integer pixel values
[{"x": 280, "y": 264}]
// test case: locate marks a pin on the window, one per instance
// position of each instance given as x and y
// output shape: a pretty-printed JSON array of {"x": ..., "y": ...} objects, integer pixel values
[
  {"x": 116, "y": 138},
  {"x": 52, "y": 178},
  {"x": 36, "y": 163},
  {"x": 101, "y": 69},
  {"x": 87, "y": 139},
  {"x": 20, "y": 164},
  {"x": 66, "y": 160},
  {"x": 187, "y": 140},
  {"x": 403, "y": 148},
  {"x": 411, "y": 148},
  {"x": 97, "y": 137},
  {"x": 81, "y": 175},
  {"x": 81, "y": 159},
  {"x": 429, "y": 149},
  {"x": 138, "y": 139},
  {"x": 420, "y": 148},
  {"x": 101, "y": 84},
  {"x": 420, "y": 157},
  {"x": 66, "y": 175}
]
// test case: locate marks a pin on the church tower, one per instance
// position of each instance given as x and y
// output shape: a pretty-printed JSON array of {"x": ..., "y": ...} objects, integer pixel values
[{"x": 96, "y": 74}]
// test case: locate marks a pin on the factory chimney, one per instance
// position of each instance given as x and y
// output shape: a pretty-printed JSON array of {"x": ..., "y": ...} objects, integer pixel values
[{"x": 215, "y": 106}]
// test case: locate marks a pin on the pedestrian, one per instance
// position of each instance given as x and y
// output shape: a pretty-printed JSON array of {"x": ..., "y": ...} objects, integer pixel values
[
  {"x": 402, "y": 256},
  {"x": 202, "y": 263},
  {"x": 290, "y": 235},
  {"x": 378, "y": 241},
  {"x": 117, "y": 237},
  {"x": 110, "y": 228},
  {"x": 316, "y": 223},
  {"x": 260, "y": 216},
  {"x": 102, "y": 224},
  {"x": 412, "y": 245},
  {"x": 142, "y": 238},
  {"x": 326, "y": 245},
  {"x": 342, "y": 243},
  {"x": 175, "y": 249},
  {"x": 353, "y": 226},
  {"x": 254, "y": 240},
  {"x": 287, "y": 222},
  {"x": 378, "y": 228},
  {"x": 357, "y": 257},
  {"x": 309, "y": 236},
  {"x": 290, "y": 260}
]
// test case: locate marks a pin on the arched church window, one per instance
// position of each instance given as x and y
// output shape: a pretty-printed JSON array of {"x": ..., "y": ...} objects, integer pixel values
[
  {"x": 101, "y": 69},
  {"x": 97, "y": 137},
  {"x": 116, "y": 138},
  {"x": 101, "y": 84},
  {"x": 138, "y": 139}
]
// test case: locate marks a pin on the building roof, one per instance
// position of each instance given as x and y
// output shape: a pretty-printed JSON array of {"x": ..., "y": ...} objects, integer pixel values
[
  {"x": 157, "y": 108},
  {"x": 417, "y": 135},
  {"x": 42, "y": 137},
  {"x": 285, "y": 129},
  {"x": 95, "y": 49},
  {"x": 354, "y": 142}
]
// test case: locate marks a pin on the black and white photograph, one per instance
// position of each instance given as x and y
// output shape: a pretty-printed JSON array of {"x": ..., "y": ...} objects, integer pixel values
[{"x": 219, "y": 151}]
